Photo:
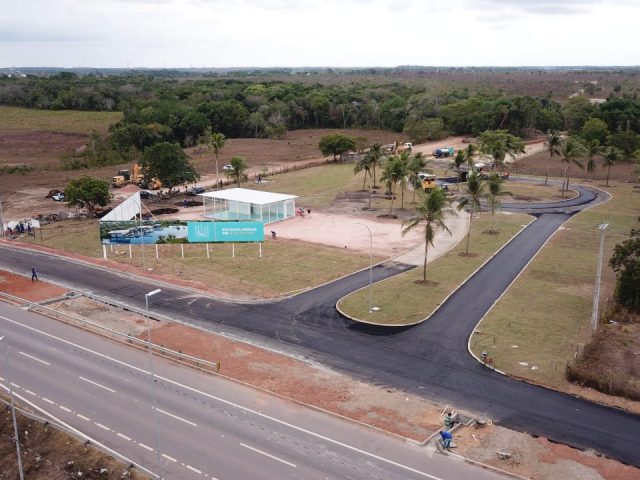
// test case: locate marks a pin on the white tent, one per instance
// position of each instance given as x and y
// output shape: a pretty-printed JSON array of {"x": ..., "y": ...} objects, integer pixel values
[
  {"x": 127, "y": 210},
  {"x": 246, "y": 204}
]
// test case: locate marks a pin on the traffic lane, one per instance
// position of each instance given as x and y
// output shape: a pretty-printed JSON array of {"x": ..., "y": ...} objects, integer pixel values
[{"x": 162, "y": 400}]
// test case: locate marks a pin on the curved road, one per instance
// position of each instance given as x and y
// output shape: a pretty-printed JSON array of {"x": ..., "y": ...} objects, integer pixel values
[{"x": 430, "y": 359}]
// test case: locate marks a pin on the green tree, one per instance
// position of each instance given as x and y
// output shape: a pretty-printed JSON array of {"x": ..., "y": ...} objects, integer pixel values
[
  {"x": 474, "y": 191},
  {"x": 216, "y": 142},
  {"x": 391, "y": 174},
  {"x": 627, "y": 141},
  {"x": 336, "y": 144},
  {"x": 87, "y": 192},
  {"x": 499, "y": 144},
  {"x": 594, "y": 129},
  {"x": 626, "y": 263},
  {"x": 239, "y": 167},
  {"x": 375, "y": 153},
  {"x": 576, "y": 112},
  {"x": 433, "y": 209},
  {"x": 553, "y": 147},
  {"x": 416, "y": 165},
  {"x": 363, "y": 165},
  {"x": 571, "y": 149},
  {"x": 593, "y": 148},
  {"x": 420, "y": 131},
  {"x": 168, "y": 163},
  {"x": 612, "y": 155},
  {"x": 469, "y": 155},
  {"x": 402, "y": 174}
]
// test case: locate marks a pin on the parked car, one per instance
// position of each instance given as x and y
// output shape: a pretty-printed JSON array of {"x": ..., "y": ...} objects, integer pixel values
[
  {"x": 195, "y": 191},
  {"x": 145, "y": 194},
  {"x": 227, "y": 168},
  {"x": 58, "y": 197}
]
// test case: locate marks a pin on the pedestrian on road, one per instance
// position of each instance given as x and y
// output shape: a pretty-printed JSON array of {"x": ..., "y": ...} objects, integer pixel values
[
  {"x": 309, "y": 212},
  {"x": 34, "y": 275},
  {"x": 273, "y": 234},
  {"x": 449, "y": 421},
  {"x": 446, "y": 439}
]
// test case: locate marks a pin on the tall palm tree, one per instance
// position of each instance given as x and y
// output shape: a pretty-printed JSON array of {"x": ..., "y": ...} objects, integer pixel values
[
  {"x": 405, "y": 157},
  {"x": 433, "y": 208},
  {"x": 216, "y": 142},
  {"x": 553, "y": 147},
  {"x": 363, "y": 165},
  {"x": 457, "y": 163},
  {"x": 239, "y": 167},
  {"x": 593, "y": 148},
  {"x": 469, "y": 154},
  {"x": 390, "y": 176},
  {"x": 570, "y": 150},
  {"x": 474, "y": 190},
  {"x": 494, "y": 184},
  {"x": 416, "y": 165},
  {"x": 612, "y": 155},
  {"x": 376, "y": 154}
]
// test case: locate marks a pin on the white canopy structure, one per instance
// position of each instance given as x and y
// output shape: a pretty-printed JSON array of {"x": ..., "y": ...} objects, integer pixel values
[
  {"x": 127, "y": 210},
  {"x": 246, "y": 204}
]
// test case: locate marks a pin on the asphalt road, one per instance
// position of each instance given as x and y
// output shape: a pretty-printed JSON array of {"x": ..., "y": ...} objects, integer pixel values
[
  {"x": 209, "y": 427},
  {"x": 429, "y": 359}
]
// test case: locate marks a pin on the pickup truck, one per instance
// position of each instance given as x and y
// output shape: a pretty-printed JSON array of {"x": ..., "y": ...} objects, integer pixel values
[{"x": 58, "y": 197}]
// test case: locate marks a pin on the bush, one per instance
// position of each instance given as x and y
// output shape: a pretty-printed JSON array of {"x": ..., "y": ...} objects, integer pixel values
[{"x": 11, "y": 169}]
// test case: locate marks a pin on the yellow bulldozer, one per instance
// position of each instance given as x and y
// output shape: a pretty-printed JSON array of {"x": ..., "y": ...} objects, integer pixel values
[{"x": 126, "y": 177}]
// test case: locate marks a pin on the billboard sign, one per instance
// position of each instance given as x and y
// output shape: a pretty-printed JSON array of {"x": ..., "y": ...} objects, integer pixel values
[{"x": 217, "y": 232}]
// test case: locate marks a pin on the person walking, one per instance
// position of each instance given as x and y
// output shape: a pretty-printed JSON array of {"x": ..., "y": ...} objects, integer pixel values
[
  {"x": 34, "y": 275},
  {"x": 446, "y": 439}
]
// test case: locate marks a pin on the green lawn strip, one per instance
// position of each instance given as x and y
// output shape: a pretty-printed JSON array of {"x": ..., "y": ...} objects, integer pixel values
[
  {"x": 286, "y": 266},
  {"x": 16, "y": 118},
  {"x": 545, "y": 316},
  {"x": 535, "y": 192},
  {"x": 402, "y": 301},
  {"x": 317, "y": 187}
]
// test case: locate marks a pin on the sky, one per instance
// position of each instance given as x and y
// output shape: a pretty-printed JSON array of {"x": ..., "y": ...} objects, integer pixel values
[{"x": 314, "y": 33}]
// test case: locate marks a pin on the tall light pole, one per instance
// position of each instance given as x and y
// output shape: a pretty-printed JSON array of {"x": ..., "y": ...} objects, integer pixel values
[
  {"x": 596, "y": 290},
  {"x": 13, "y": 408},
  {"x": 370, "y": 266},
  {"x": 153, "y": 381}
]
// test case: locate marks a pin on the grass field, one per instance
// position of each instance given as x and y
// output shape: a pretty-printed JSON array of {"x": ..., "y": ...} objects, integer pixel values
[
  {"x": 286, "y": 265},
  {"x": 402, "y": 301},
  {"x": 16, "y": 118},
  {"x": 543, "y": 319}
]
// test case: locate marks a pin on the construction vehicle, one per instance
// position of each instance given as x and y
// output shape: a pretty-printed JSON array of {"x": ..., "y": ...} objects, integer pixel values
[
  {"x": 398, "y": 147},
  {"x": 428, "y": 181},
  {"x": 444, "y": 152},
  {"x": 125, "y": 177}
]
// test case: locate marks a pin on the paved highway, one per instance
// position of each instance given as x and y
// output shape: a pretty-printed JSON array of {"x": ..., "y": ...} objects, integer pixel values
[
  {"x": 429, "y": 359},
  {"x": 209, "y": 427}
]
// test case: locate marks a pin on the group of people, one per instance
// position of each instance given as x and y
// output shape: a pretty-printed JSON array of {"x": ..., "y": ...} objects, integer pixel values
[
  {"x": 445, "y": 434},
  {"x": 20, "y": 228}
]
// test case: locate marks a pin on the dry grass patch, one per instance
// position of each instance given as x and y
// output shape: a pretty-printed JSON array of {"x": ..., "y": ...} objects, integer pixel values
[{"x": 16, "y": 118}]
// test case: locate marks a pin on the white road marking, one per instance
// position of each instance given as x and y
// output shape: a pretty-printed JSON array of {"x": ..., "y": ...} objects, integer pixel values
[
  {"x": 177, "y": 417},
  {"x": 227, "y": 402},
  {"x": 169, "y": 458},
  {"x": 62, "y": 407},
  {"x": 97, "y": 384},
  {"x": 102, "y": 426},
  {"x": 34, "y": 358},
  {"x": 268, "y": 455},
  {"x": 121, "y": 435},
  {"x": 189, "y": 467},
  {"x": 48, "y": 401},
  {"x": 145, "y": 446},
  {"x": 16, "y": 385},
  {"x": 33, "y": 394},
  {"x": 83, "y": 417}
]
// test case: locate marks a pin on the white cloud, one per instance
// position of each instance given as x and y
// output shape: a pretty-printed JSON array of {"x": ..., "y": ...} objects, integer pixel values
[{"x": 216, "y": 33}]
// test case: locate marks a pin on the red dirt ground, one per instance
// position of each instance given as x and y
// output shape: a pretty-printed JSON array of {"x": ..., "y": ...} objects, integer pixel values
[{"x": 23, "y": 287}]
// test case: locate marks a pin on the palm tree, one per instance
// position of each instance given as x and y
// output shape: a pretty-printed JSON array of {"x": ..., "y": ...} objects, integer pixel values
[
  {"x": 612, "y": 155},
  {"x": 469, "y": 153},
  {"x": 553, "y": 146},
  {"x": 390, "y": 176},
  {"x": 364, "y": 165},
  {"x": 494, "y": 182},
  {"x": 239, "y": 167},
  {"x": 458, "y": 161},
  {"x": 402, "y": 175},
  {"x": 593, "y": 148},
  {"x": 216, "y": 142},
  {"x": 433, "y": 209},
  {"x": 475, "y": 187},
  {"x": 499, "y": 144},
  {"x": 416, "y": 165},
  {"x": 376, "y": 154},
  {"x": 570, "y": 150}
]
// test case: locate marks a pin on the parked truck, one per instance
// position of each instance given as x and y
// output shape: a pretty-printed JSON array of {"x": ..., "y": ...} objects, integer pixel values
[{"x": 444, "y": 152}]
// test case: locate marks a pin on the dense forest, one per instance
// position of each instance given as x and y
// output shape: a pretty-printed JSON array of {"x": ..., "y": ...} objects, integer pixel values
[{"x": 185, "y": 111}]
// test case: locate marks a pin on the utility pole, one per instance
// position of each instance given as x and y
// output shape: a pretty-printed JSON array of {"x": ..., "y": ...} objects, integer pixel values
[
  {"x": 596, "y": 290},
  {"x": 370, "y": 266}
]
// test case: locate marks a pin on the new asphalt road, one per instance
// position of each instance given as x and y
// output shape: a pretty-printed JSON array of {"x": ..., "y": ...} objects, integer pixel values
[
  {"x": 208, "y": 427},
  {"x": 430, "y": 359}
]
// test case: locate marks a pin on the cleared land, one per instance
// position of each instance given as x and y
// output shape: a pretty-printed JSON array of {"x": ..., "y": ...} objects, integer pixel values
[
  {"x": 402, "y": 301},
  {"x": 543, "y": 319}
]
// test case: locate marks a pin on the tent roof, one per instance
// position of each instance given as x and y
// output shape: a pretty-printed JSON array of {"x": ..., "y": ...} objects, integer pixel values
[{"x": 246, "y": 195}]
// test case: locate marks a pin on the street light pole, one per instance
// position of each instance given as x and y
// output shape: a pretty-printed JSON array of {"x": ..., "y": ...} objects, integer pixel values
[
  {"x": 13, "y": 408},
  {"x": 370, "y": 266},
  {"x": 596, "y": 290},
  {"x": 153, "y": 382}
]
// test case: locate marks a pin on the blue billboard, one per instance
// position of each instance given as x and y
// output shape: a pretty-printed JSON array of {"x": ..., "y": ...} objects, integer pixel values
[{"x": 216, "y": 232}]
